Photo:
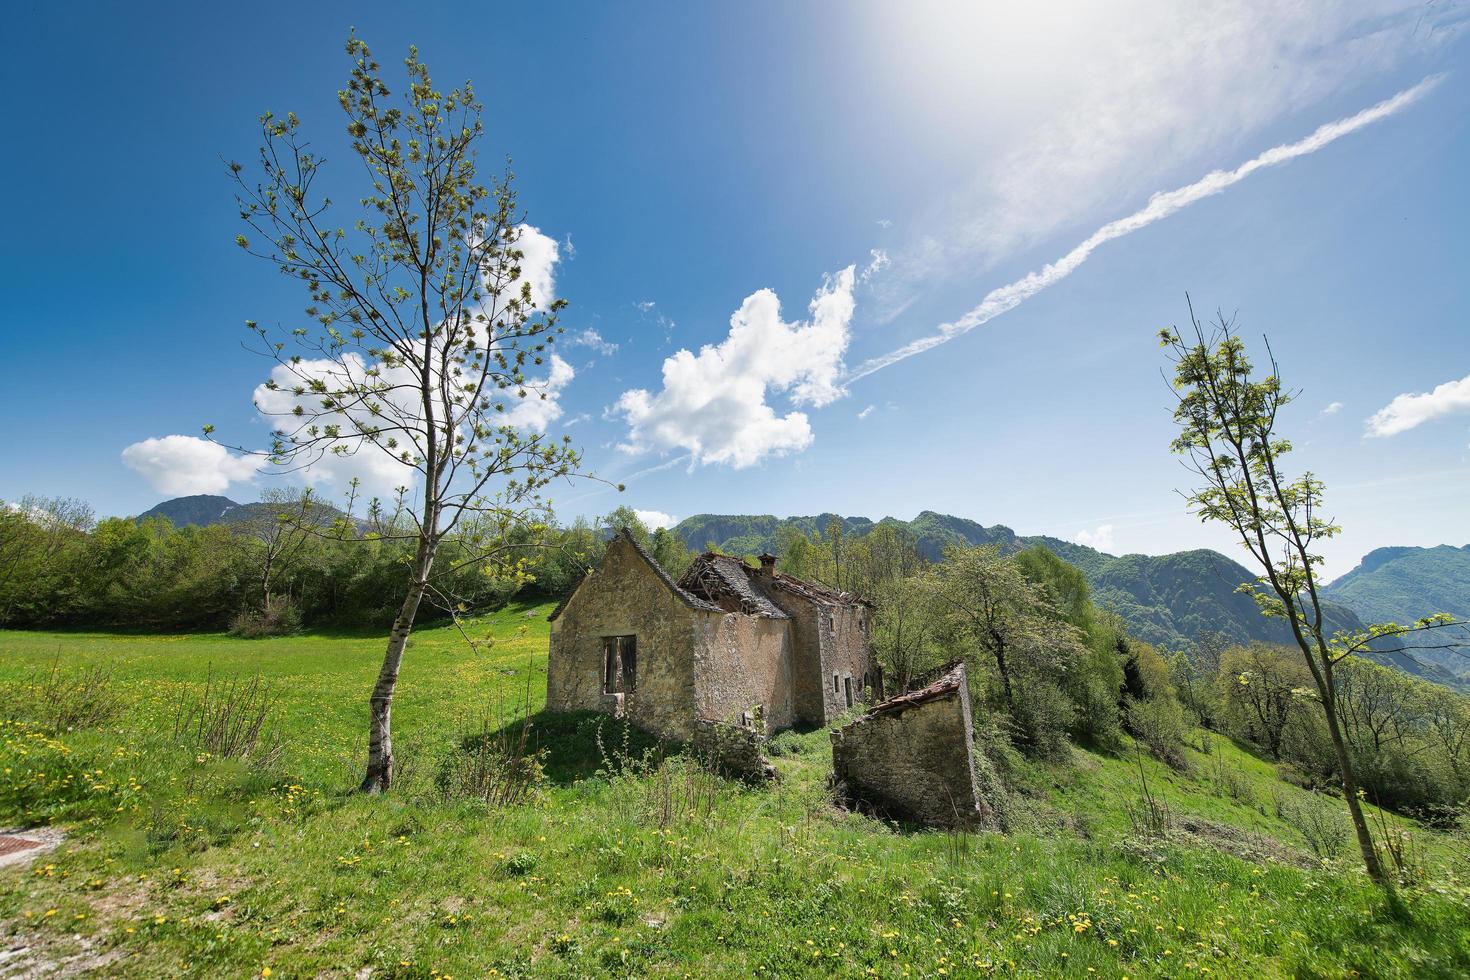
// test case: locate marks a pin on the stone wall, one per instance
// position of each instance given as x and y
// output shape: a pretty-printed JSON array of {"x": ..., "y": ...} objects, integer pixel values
[
  {"x": 743, "y": 663},
  {"x": 912, "y": 758},
  {"x": 808, "y": 687},
  {"x": 626, "y": 597},
  {"x": 732, "y": 751},
  {"x": 849, "y": 656},
  {"x": 827, "y": 640}
]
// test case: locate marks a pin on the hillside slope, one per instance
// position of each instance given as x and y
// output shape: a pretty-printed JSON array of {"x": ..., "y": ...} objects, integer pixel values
[
  {"x": 1404, "y": 584},
  {"x": 622, "y": 864}
]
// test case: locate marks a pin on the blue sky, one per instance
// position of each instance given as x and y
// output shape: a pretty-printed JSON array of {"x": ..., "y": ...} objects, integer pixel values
[{"x": 686, "y": 157}]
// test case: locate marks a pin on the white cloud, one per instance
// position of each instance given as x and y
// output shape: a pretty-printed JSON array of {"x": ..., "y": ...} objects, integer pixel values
[
  {"x": 1101, "y": 538},
  {"x": 1332, "y": 409},
  {"x": 542, "y": 404},
  {"x": 865, "y": 412},
  {"x": 379, "y": 471},
  {"x": 1081, "y": 124},
  {"x": 1160, "y": 206},
  {"x": 876, "y": 264},
  {"x": 655, "y": 519},
  {"x": 591, "y": 338},
  {"x": 713, "y": 403},
  {"x": 184, "y": 465},
  {"x": 1409, "y": 410},
  {"x": 539, "y": 255}
]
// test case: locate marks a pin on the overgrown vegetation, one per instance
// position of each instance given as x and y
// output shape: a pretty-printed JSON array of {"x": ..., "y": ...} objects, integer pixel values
[{"x": 629, "y": 859}]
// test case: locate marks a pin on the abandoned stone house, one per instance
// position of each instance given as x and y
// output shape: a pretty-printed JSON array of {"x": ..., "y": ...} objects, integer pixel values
[{"x": 725, "y": 644}]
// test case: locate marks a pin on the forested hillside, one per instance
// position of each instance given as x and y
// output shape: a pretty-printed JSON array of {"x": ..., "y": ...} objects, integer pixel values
[
  {"x": 1168, "y": 600},
  {"x": 1401, "y": 585}
]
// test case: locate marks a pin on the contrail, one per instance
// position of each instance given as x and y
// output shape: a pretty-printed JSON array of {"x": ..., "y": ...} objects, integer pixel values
[{"x": 1160, "y": 206}]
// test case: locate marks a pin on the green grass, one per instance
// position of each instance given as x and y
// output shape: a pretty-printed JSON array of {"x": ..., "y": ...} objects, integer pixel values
[{"x": 178, "y": 863}]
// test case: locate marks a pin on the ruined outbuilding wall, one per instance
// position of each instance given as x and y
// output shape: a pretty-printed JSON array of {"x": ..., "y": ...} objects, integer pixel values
[
  {"x": 623, "y": 597},
  {"x": 733, "y": 751},
  {"x": 913, "y": 758},
  {"x": 742, "y": 663}
]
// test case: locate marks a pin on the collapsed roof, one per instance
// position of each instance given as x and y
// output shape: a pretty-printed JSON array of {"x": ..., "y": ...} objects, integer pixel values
[
  {"x": 737, "y": 587},
  {"x": 722, "y": 583}
]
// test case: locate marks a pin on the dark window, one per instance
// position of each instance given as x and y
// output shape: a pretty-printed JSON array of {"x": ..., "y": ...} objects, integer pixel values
[
  {"x": 619, "y": 664},
  {"x": 847, "y": 683},
  {"x": 836, "y": 684}
]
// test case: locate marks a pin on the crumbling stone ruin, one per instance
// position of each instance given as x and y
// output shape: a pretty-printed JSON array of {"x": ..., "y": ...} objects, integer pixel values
[
  {"x": 733, "y": 751},
  {"x": 913, "y": 758},
  {"x": 727, "y": 644}
]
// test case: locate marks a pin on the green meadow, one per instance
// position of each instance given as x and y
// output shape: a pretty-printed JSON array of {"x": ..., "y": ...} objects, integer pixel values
[{"x": 626, "y": 859}]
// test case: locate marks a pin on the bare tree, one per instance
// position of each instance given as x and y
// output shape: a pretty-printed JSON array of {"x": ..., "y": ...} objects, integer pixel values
[
  {"x": 423, "y": 333},
  {"x": 282, "y": 524},
  {"x": 1229, "y": 438}
]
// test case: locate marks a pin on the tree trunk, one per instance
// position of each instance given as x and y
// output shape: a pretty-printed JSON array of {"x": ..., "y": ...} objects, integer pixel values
[
  {"x": 379, "y": 776},
  {"x": 1005, "y": 674},
  {"x": 1350, "y": 791}
]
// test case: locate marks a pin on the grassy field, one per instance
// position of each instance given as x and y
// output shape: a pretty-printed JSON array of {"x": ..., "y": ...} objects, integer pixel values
[{"x": 179, "y": 862}]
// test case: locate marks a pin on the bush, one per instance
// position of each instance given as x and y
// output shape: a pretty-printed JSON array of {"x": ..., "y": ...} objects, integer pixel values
[
  {"x": 1040, "y": 716},
  {"x": 60, "y": 700},
  {"x": 1158, "y": 722},
  {"x": 1321, "y": 825},
  {"x": 230, "y": 720},
  {"x": 495, "y": 767},
  {"x": 280, "y": 618}
]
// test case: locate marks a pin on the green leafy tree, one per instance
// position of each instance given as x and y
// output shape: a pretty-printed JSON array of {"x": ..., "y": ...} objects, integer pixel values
[
  {"x": 1264, "y": 691},
  {"x": 35, "y": 535},
  {"x": 422, "y": 333},
  {"x": 991, "y": 607},
  {"x": 1229, "y": 435}
]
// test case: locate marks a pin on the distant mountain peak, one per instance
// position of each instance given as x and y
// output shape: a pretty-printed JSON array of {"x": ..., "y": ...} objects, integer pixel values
[{"x": 196, "y": 509}]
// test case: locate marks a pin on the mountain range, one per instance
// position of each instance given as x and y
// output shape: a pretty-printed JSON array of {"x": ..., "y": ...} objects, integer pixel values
[
  {"x": 1401, "y": 585},
  {"x": 1171, "y": 600}
]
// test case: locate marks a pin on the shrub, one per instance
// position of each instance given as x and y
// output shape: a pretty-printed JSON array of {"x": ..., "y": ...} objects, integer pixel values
[
  {"x": 280, "y": 618},
  {"x": 1321, "y": 825},
  {"x": 1149, "y": 815},
  {"x": 1158, "y": 722},
  {"x": 493, "y": 766},
  {"x": 1230, "y": 782},
  {"x": 60, "y": 700},
  {"x": 229, "y": 720},
  {"x": 786, "y": 743},
  {"x": 1040, "y": 715}
]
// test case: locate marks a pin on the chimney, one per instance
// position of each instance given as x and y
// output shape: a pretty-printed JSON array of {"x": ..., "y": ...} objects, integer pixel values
[{"x": 768, "y": 565}]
